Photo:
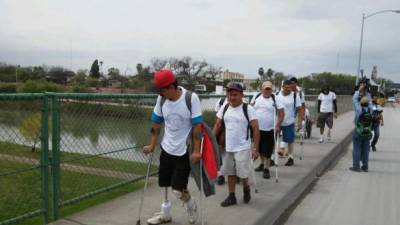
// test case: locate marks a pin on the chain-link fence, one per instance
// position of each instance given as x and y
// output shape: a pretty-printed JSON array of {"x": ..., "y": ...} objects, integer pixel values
[
  {"x": 23, "y": 160},
  {"x": 58, "y": 149}
]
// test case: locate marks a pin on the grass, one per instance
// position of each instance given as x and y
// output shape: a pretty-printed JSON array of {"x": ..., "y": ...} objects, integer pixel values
[
  {"x": 95, "y": 162},
  {"x": 21, "y": 192}
]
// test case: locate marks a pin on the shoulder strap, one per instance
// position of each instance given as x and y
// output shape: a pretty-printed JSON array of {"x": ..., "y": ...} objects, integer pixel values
[
  {"x": 273, "y": 99},
  {"x": 221, "y": 101},
  {"x": 225, "y": 109},
  {"x": 188, "y": 100},
  {"x": 163, "y": 99},
  {"x": 294, "y": 102},
  {"x": 246, "y": 114},
  {"x": 258, "y": 95}
]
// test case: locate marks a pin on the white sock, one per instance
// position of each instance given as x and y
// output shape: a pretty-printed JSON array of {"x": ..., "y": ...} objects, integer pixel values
[
  {"x": 321, "y": 136},
  {"x": 190, "y": 203},
  {"x": 291, "y": 156}
]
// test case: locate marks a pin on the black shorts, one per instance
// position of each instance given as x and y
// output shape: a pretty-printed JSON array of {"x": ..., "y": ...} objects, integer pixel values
[
  {"x": 267, "y": 143},
  {"x": 174, "y": 171},
  {"x": 325, "y": 118}
]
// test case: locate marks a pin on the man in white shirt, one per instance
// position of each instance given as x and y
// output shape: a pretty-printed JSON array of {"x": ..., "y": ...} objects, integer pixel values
[
  {"x": 171, "y": 108},
  {"x": 270, "y": 115},
  {"x": 300, "y": 93},
  {"x": 292, "y": 106},
  {"x": 238, "y": 119},
  {"x": 326, "y": 107}
]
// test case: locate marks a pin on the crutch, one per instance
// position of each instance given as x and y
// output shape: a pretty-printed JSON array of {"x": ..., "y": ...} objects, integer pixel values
[
  {"x": 303, "y": 124},
  {"x": 144, "y": 188},
  {"x": 253, "y": 174},
  {"x": 201, "y": 181},
  {"x": 276, "y": 139}
]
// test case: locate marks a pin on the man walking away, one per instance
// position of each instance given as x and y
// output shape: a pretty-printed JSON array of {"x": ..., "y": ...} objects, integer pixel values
[
  {"x": 377, "y": 115},
  {"x": 326, "y": 107},
  {"x": 292, "y": 106},
  {"x": 267, "y": 108},
  {"x": 238, "y": 119}
]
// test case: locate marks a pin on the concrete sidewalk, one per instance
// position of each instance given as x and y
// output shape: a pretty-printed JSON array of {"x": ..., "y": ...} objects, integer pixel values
[
  {"x": 345, "y": 197},
  {"x": 264, "y": 208}
]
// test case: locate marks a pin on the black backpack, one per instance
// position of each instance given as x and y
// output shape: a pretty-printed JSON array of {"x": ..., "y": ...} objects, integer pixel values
[
  {"x": 364, "y": 124},
  {"x": 246, "y": 114}
]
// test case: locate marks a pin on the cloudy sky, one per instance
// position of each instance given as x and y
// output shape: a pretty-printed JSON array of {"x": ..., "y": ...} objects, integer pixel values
[{"x": 296, "y": 37}]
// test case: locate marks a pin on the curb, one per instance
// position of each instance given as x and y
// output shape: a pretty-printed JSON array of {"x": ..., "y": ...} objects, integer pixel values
[{"x": 277, "y": 214}]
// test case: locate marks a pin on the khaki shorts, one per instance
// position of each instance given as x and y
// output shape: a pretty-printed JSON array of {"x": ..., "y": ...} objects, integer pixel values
[{"x": 236, "y": 164}]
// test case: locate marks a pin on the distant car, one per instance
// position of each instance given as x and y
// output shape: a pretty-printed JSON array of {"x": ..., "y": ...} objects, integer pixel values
[{"x": 391, "y": 99}]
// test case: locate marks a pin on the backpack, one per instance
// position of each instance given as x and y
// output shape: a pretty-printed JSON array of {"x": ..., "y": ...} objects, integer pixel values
[
  {"x": 364, "y": 124},
  {"x": 210, "y": 153},
  {"x": 246, "y": 114},
  {"x": 376, "y": 116}
]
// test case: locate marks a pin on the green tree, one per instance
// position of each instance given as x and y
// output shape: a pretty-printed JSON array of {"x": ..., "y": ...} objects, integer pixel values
[
  {"x": 30, "y": 129},
  {"x": 95, "y": 70}
]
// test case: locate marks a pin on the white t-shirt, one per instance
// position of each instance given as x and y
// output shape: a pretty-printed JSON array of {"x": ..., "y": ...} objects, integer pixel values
[
  {"x": 265, "y": 110},
  {"x": 236, "y": 127},
  {"x": 218, "y": 106},
  {"x": 327, "y": 102},
  {"x": 178, "y": 122},
  {"x": 288, "y": 104}
]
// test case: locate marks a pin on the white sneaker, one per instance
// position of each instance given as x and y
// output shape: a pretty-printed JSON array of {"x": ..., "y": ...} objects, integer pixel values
[
  {"x": 193, "y": 214},
  {"x": 321, "y": 140},
  {"x": 159, "y": 218}
]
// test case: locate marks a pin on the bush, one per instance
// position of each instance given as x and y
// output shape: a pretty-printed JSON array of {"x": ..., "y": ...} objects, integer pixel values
[
  {"x": 79, "y": 89},
  {"x": 8, "y": 88},
  {"x": 40, "y": 87}
]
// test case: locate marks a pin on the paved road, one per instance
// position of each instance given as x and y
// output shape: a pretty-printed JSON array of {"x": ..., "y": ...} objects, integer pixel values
[{"x": 342, "y": 197}]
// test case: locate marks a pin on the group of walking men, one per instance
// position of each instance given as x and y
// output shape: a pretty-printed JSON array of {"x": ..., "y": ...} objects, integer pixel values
[{"x": 246, "y": 131}]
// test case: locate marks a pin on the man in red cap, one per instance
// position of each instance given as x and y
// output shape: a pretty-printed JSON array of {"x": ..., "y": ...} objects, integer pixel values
[{"x": 174, "y": 169}]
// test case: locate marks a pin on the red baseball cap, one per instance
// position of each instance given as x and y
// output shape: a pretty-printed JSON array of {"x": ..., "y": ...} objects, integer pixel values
[{"x": 164, "y": 78}]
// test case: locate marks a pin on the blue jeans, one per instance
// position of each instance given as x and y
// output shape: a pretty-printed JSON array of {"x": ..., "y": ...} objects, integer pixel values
[
  {"x": 376, "y": 134},
  {"x": 360, "y": 151}
]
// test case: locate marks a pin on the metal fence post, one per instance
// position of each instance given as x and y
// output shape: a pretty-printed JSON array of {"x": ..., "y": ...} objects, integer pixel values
[
  {"x": 55, "y": 142},
  {"x": 44, "y": 158}
]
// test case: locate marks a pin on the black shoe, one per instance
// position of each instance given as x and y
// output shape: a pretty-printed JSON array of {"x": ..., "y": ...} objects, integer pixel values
[
  {"x": 373, "y": 148},
  {"x": 230, "y": 200},
  {"x": 221, "y": 180},
  {"x": 355, "y": 169},
  {"x": 266, "y": 174},
  {"x": 246, "y": 194},
  {"x": 272, "y": 163},
  {"x": 364, "y": 168},
  {"x": 290, "y": 162},
  {"x": 259, "y": 168}
]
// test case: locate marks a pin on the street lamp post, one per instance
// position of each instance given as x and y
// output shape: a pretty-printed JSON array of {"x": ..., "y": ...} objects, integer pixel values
[{"x": 364, "y": 17}]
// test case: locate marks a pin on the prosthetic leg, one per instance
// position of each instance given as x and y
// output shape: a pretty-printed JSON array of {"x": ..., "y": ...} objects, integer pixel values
[{"x": 164, "y": 216}]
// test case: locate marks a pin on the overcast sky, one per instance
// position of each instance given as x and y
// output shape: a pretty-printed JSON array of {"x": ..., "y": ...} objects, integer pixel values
[{"x": 296, "y": 37}]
